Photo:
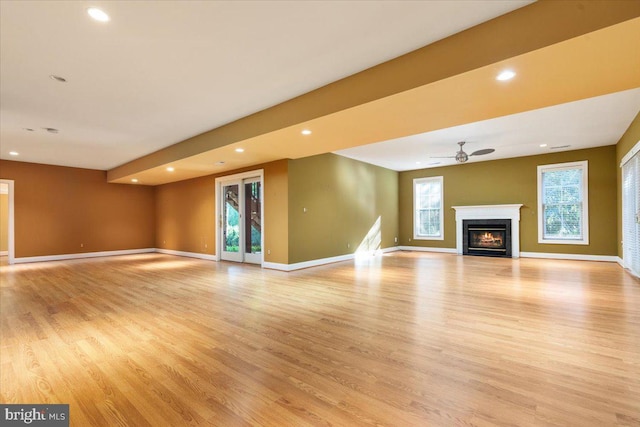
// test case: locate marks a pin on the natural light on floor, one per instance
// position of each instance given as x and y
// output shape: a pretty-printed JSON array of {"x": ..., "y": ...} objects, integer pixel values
[{"x": 371, "y": 243}]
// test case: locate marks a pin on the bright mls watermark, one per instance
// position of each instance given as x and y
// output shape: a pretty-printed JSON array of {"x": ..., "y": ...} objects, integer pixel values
[{"x": 34, "y": 415}]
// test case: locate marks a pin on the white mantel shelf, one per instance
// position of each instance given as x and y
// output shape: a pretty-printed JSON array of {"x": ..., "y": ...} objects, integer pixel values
[{"x": 511, "y": 212}]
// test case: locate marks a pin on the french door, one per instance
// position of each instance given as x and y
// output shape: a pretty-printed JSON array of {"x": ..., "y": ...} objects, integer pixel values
[
  {"x": 631, "y": 213},
  {"x": 241, "y": 220}
]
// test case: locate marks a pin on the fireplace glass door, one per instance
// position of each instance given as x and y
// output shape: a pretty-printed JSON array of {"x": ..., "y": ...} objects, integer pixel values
[{"x": 487, "y": 237}]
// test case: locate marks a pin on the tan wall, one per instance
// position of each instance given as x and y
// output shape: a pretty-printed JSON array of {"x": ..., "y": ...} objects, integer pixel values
[
  {"x": 59, "y": 208},
  {"x": 4, "y": 222},
  {"x": 515, "y": 181},
  {"x": 343, "y": 198},
  {"x": 626, "y": 143},
  {"x": 185, "y": 213},
  {"x": 185, "y": 216},
  {"x": 276, "y": 212}
]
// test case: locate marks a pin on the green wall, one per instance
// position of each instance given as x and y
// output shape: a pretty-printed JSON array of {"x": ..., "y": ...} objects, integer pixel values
[
  {"x": 626, "y": 143},
  {"x": 343, "y": 199},
  {"x": 514, "y": 181}
]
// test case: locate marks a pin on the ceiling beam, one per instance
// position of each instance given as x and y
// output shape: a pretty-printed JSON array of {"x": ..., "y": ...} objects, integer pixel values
[{"x": 524, "y": 30}]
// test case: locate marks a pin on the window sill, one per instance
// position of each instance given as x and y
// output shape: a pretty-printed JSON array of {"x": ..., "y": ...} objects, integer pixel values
[
  {"x": 428, "y": 238},
  {"x": 563, "y": 242}
]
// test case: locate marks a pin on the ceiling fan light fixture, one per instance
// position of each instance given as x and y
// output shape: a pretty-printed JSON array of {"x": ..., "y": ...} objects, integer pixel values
[{"x": 461, "y": 156}]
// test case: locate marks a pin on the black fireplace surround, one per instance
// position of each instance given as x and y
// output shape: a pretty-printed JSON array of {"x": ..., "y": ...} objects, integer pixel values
[{"x": 486, "y": 237}]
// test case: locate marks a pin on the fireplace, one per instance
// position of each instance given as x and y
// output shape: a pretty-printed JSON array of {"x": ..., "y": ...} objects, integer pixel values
[
  {"x": 491, "y": 215},
  {"x": 486, "y": 237}
]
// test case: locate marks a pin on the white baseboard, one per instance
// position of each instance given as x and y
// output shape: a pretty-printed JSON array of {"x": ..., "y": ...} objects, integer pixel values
[
  {"x": 324, "y": 261},
  {"x": 4, "y": 253},
  {"x": 207, "y": 257},
  {"x": 81, "y": 255},
  {"x": 307, "y": 264},
  {"x": 576, "y": 257},
  {"x": 276, "y": 266},
  {"x": 427, "y": 249}
]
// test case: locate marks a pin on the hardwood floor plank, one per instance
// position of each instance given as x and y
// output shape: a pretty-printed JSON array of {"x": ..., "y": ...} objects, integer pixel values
[{"x": 408, "y": 339}]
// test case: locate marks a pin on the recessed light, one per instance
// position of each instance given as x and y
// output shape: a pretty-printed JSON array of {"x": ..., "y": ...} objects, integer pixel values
[
  {"x": 417, "y": 163},
  {"x": 506, "y": 75},
  {"x": 51, "y": 130},
  {"x": 306, "y": 132},
  {"x": 98, "y": 14},
  {"x": 134, "y": 179},
  {"x": 57, "y": 78},
  {"x": 239, "y": 150},
  {"x": 543, "y": 145},
  {"x": 29, "y": 129},
  {"x": 13, "y": 153},
  {"x": 170, "y": 169}
]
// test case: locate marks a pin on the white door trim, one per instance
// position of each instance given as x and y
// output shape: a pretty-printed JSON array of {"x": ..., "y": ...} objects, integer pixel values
[
  {"x": 219, "y": 182},
  {"x": 11, "y": 222}
]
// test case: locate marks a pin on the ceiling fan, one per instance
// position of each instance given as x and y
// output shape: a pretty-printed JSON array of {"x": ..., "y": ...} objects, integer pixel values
[{"x": 462, "y": 157}]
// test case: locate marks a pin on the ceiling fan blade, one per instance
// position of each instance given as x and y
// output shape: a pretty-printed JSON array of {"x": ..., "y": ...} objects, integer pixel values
[
  {"x": 442, "y": 157},
  {"x": 483, "y": 152}
]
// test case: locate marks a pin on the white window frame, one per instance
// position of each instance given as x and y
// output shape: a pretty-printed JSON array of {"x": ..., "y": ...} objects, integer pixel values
[
  {"x": 584, "y": 167},
  {"x": 416, "y": 182}
]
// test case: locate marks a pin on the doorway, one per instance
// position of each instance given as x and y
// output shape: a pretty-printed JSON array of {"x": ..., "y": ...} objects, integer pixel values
[
  {"x": 239, "y": 210},
  {"x": 7, "y": 222}
]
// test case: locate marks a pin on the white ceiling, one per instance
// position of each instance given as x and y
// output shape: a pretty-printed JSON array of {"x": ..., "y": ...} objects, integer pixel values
[
  {"x": 160, "y": 72},
  {"x": 575, "y": 125}
]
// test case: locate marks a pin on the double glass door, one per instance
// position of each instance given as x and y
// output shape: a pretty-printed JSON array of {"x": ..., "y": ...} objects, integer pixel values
[{"x": 241, "y": 222}]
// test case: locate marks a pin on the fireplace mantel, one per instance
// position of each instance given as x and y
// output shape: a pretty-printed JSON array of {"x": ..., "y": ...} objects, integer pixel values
[{"x": 511, "y": 212}]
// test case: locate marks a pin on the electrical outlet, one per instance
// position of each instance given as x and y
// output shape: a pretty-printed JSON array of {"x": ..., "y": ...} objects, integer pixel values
[
  {"x": 268, "y": 251},
  {"x": 348, "y": 245},
  {"x": 395, "y": 239},
  {"x": 82, "y": 245}
]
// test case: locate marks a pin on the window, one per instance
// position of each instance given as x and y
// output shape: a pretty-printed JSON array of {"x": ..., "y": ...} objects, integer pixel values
[
  {"x": 563, "y": 211},
  {"x": 427, "y": 208}
]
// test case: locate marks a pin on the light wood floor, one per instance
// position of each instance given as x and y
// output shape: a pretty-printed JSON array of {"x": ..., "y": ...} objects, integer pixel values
[{"x": 404, "y": 340}]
